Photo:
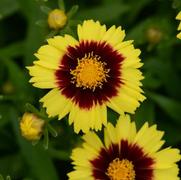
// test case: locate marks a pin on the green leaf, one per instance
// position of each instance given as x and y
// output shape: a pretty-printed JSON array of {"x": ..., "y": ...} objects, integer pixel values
[
  {"x": 8, "y": 178},
  {"x": 13, "y": 50},
  {"x": 45, "y": 9},
  {"x": 31, "y": 108},
  {"x": 72, "y": 11},
  {"x": 18, "y": 79},
  {"x": 41, "y": 23},
  {"x": 150, "y": 81},
  {"x": 12, "y": 168},
  {"x": 51, "y": 34},
  {"x": 52, "y": 130},
  {"x": 61, "y": 5},
  {"x": 8, "y": 7},
  {"x": 176, "y": 4},
  {"x": 1, "y": 177},
  {"x": 171, "y": 106},
  {"x": 46, "y": 139},
  {"x": 4, "y": 119},
  {"x": 172, "y": 132},
  {"x": 103, "y": 13}
]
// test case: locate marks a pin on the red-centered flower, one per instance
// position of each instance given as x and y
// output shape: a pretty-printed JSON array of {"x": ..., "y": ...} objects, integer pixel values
[
  {"x": 125, "y": 155},
  {"x": 87, "y": 76}
]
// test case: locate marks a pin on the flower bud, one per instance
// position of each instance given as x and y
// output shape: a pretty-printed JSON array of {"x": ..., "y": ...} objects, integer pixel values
[
  {"x": 31, "y": 126},
  {"x": 154, "y": 35},
  {"x": 57, "y": 19}
]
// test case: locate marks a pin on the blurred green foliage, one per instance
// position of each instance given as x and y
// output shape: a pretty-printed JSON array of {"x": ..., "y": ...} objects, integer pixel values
[{"x": 152, "y": 26}]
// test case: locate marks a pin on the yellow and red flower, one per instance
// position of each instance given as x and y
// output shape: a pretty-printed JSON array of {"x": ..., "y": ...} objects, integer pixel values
[
  {"x": 88, "y": 75},
  {"x": 126, "y": 154}
]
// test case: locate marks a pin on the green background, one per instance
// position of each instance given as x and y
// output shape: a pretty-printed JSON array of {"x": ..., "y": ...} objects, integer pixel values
[{"x": 23, "y": 29}]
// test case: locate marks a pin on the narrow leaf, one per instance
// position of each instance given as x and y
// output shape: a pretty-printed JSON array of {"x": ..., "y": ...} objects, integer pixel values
[
  {"x": 46, "y": 139},
  {"x": 52, "y": 130},
  {"x": 72, "y": 11},
  {"x": 45, "y": 9},
  {"x": 61, "y": 5},
  {"x": 171, "y": 106}
]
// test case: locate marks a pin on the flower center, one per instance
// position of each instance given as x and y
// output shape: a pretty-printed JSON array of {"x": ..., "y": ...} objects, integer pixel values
[
  {"x": 121, "y": 170},
  {"x": 90, "y": 72}
]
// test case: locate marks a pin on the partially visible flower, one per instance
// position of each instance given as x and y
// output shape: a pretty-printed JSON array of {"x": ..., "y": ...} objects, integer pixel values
[
  {"x": 57, "y": 19},
  {"x": 31, "y": 126},
  {"x": 125, "y": 155},
  {"x": 179, "y": 27},
  {"x": 88, "y": 75}
]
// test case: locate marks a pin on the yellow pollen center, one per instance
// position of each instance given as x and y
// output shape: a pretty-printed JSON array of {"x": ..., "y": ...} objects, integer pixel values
[
  {"x": 121, "y": 170},
  {"x": 90, "y": 72}
]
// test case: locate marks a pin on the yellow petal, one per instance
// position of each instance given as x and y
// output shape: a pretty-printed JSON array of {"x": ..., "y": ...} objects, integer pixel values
[
  {"x": 56, "y": 103},
  {"x": 42, "y": 77},
  {"x": 49, "y": 57},
  {"x": 81, "y": 157},
  {"x": 61, "y": 43},
  {"x": 166, "y": 158},
  {"x": 48, "y": 61},
  {"x": 81, "y": 174},
  {"x": 91, "y": 30},
  {"x": 179, "y": 16},
  {"x": 85, "y": 119},
  {"x": 114, "y": 36},
  {"x": 49, "y": 51},
  {"x": 179, "y": 35},
  {"x": 179, "y": 27},
  {"x": 149, "y": 138},
  {"x": 110, "y": 135},
  {"x": 130, "y": 75},
  {"x": 167, "y": 174},
  {"x": 123, "y": 103},
  {"x": 93, "y": 141},
  {"x": 132, "y": 92},
  {"x": 125, "y": 129}
]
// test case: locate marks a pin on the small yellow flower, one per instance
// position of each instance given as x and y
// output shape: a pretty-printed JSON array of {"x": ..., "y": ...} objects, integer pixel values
[
  {"x": 57, "y": 19},
  {"x": 125, "y": 154},
  {"x": 179, "y": 27},
  {"x": 31, "y": 126}
]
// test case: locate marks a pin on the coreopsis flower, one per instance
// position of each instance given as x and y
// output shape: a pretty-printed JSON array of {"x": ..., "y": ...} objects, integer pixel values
[
  {"x": 31, "y": 126},
  {"x": 57, "y": 19},
  {"x": 88, "y": 75},
  {"x": 125, "y": 154},
  {"x": 179, "y": 27}
]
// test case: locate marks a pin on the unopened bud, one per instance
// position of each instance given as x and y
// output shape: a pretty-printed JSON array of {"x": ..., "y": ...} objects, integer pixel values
[
  {"x": 57, "y": 19},
  {"x": 31, "y": 126},
  {"x": 154, "y": 35}
]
